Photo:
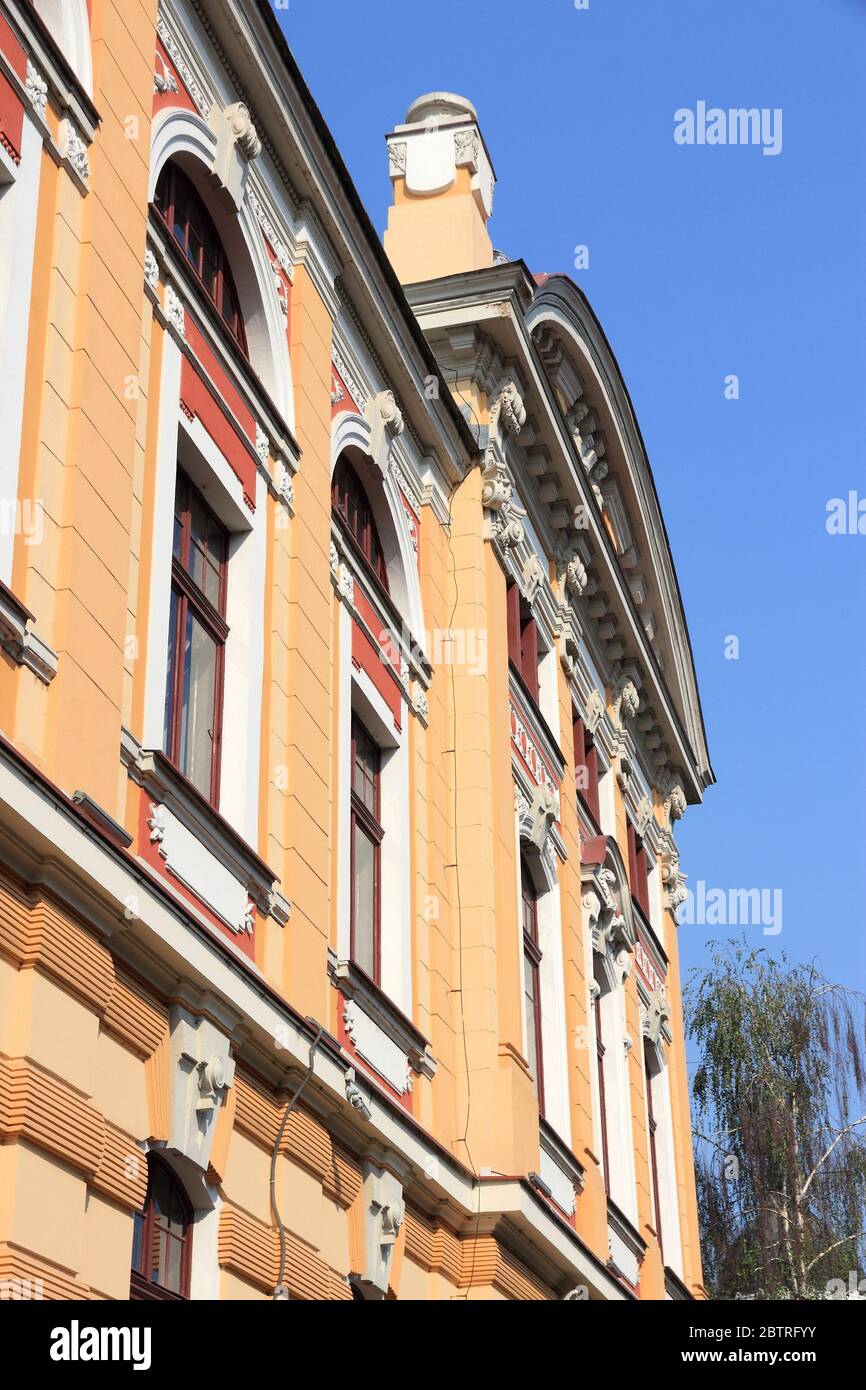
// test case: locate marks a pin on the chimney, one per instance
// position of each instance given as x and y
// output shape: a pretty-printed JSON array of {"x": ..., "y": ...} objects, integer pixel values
[{"x": 443, "y": 190}]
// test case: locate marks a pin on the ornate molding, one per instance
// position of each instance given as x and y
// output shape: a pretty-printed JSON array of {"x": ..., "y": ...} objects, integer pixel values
[
  {"x": 626, "y": 698},
  {"x": 341, "y": 575},
  {"x": 673, "y": 879},
  {"x": 508, "y": 409},
  {"x": 263, "y": 445},
  {"x": 276, "y": 239},
  {"x": 242, "y": 130},
  {"x": 187, "y": 77},
  {"x": 358, "y": 391},
  {"x": 390, "y": 413},
  {"x": 36, "y": 88},
  {"x": 175, "y": 311},
  {"x": 203, "y": 1071},
  {"x": 163, "y": 81},
  {"x": 151, "y": 270},
  {"x": 655, "y": 1017},
  {"x": 75, "y": 150},
  {"x": 284, "y": 484}
]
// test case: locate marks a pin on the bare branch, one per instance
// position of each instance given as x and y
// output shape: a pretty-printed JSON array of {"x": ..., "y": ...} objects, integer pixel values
[
  {"x": 823, "y": 1159},
  {"x": 858, "y": 1235}
]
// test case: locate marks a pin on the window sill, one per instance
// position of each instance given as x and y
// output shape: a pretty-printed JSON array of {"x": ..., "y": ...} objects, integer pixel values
[
  {"x": 144, "y": 1289},
  {"x": 675, "y": 1289},
  {"x": 560, "y": 1170},
  {"x": 381, "y": 1030},
  {"x": 627, "y": 1246},
  {"x": 20, "y": 642},
  {"x": 200, "y": 848}
]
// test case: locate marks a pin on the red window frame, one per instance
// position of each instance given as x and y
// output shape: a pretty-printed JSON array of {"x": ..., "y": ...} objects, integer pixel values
[
  {"x": 522, "y": 638},
  {"x": 350, "y": 501},
  {"x": 653, "y": 1150},
  {"x": 165, "y": 1198},
  {"x": 602, "y": 1097},
  {"x": 182, "y": 209},
  {"x": 586, "y": 756},
  {"x": 532, "y": 975},
  {"x": 187, "y": 598},
  {"x": 638, "y": 871},
  {"x": 366, "y": 799}
]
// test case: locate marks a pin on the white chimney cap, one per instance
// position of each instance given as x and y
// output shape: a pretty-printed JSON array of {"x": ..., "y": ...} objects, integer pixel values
[{"x": 439, "y": 105}]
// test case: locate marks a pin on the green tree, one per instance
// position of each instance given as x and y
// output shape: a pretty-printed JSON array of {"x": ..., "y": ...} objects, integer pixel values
[{"x": 779, "y": 1102}]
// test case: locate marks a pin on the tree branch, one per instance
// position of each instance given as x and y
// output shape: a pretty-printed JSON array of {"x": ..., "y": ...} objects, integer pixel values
[
  {"x": 823, "y": 1159},
  {"x": 836, "y": 1243}
]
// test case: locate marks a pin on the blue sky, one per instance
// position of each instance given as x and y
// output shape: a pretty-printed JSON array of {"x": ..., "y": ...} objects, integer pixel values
[{"x": 704, "y": 262}]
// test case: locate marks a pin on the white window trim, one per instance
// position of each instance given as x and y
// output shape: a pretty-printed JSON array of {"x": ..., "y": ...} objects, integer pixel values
[
  {"x": 245, "y": 601},
  {"x": 18, "y": 214},
  {"x": 554, "y": 1044},
  {"x": 606, "y": 796},
  {"x": 622, "y": 1176},
  {"x": 548, "y": 681},
  {"x": 359, "y": 694},
  {"x": 665, "y": 1159}
]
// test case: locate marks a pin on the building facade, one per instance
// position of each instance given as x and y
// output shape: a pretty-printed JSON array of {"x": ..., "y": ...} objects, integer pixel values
[{"x": 347, "y": 709}]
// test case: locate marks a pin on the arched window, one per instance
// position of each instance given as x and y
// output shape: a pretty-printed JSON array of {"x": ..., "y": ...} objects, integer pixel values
[
  {"x": 350, "y": 502},
  {"x": 162, "y": 1240},
  {"x": 190, "y": 224}
]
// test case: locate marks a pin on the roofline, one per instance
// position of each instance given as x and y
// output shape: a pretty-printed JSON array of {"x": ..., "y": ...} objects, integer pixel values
[
  {"x": 579, "y": 293},
  {"x": 322, "y": 130}
]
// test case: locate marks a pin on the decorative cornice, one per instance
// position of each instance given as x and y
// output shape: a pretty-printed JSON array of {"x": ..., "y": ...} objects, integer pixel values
[{"x": 187, "y": 76}]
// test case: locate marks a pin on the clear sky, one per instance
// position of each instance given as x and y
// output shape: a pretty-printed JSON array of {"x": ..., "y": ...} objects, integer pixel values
[{"x": 704, "y": 261}]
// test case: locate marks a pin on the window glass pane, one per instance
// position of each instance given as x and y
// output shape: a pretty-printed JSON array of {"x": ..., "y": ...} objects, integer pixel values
[
  {"x": 229, "y": 306},
  {"x": 197, "y": 563},
  {"x": 169, "y": 684},
  {"x": 364, "y": 901},
  {"x": 198, "y": 707},
  {"x": 529, "y": 978},
  {"x": 137, "y": 1236},
  {"x": 209, "y": 270},
  {"x": 211, "y": 584},
  {"x": 365, "y": 770},
  {"x": 171, "y": 1263}
]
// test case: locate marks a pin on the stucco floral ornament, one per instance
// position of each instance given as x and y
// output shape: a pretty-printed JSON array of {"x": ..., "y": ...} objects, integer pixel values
[{"x": 628, "y": 699}]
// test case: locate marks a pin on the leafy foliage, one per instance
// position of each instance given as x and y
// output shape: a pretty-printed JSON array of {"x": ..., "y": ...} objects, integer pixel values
[{"x": 780, "y": 1125}]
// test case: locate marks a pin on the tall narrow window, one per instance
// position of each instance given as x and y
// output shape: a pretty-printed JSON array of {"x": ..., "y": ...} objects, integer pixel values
[
  {"x": 602, "y": 1099},
  {"x": 351, "y": 503},
  {"x": 162, "y": 1237},
  {"x": 653, "y": 1151},
  {"x": 366, "y": 850},
  {"x": 190, "y": 224},
  {"x": 638, "y": 871},
  {"x": 522, "y": 638},
  {"x": 196, "y": 641},
  {"x": 586, "y": 770},
  {"x": 532, "y": 980}
]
